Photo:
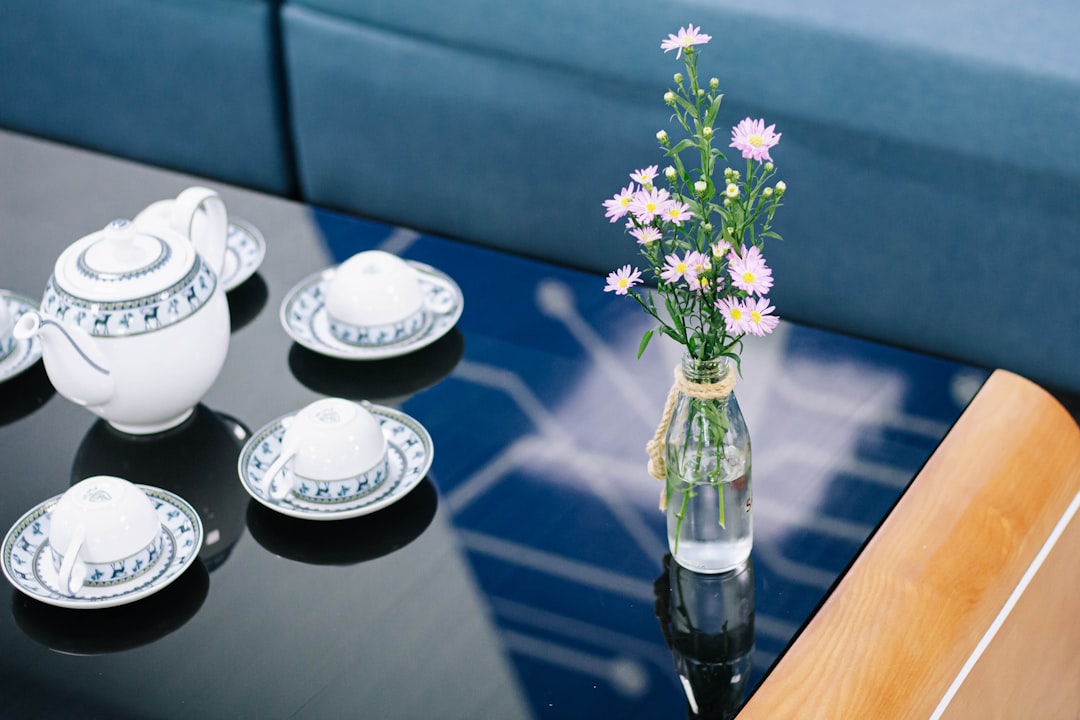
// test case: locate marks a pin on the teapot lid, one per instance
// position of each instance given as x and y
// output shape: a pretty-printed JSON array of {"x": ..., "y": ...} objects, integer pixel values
[{"x": 122, "y": 262}]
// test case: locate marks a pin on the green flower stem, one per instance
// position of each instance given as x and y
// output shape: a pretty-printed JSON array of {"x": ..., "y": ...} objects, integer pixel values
[{"x": 708, "y": 426}]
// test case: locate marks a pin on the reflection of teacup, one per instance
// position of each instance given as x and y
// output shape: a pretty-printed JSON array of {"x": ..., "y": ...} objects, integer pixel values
[
  {"x": 114, "y": 629},
  {"x": 375, "y": 298},
  {"x": 333, "y": 451},
  {"x": 7, "y": 322},
  {"x": 104, "y": 530}
]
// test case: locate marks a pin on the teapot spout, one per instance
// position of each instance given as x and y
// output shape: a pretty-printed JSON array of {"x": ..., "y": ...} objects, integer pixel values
[{"x": 74, "y": 365}]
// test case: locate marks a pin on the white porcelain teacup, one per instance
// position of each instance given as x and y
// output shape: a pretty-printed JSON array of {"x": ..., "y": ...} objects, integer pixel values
[
  {"x": 103, "y": 530},
  {"x": 375, "y": 298},
  {"x": 7, "y": 322},
  {"x": 333, "y": 451}
]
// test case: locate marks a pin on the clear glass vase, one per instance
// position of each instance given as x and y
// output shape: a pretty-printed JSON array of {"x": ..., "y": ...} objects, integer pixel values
[{"x": 707, "y": 452}]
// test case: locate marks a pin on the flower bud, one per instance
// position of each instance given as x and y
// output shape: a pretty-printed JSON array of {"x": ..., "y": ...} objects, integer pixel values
[
  {"x": 727, "y": 172},
  {"x": 707, "y": 227},
  {"x": 769, "y": 167},
  {"x": 669, "y": 172},
  {"x": 727, "y": 202},
  {"x": 678, "y": 78},
  {"x": 714, "y": 83},
  {"x": 706, "y": 131},
  {"x": 700, "y": 187},
  {"x": 781, "y": 187},
  {"x": 662, "y": 137},
  {"x": 669, "y": 97},
  {"x": 767, "y": 192},
  {"x": 735, "y": 176},
  {"x": 701, "y": 92}
]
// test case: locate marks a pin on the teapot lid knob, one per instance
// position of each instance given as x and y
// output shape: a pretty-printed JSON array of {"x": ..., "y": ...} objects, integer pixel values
[{"x": 120, "y": 228}]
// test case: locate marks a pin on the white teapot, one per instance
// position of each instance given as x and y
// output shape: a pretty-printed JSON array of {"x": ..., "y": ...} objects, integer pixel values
[{"x": 134, "y": 324}]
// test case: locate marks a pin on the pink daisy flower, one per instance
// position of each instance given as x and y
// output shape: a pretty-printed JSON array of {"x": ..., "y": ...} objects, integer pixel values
[
  {"x": 698, "y": 262},
  {"x": 647, "y": 204},
  {"x": 675, "y": 268},
  {"x": 697, "y": 276},
  {"x": 620, "y": 281},
  {"x": 754, "y": 139},
  {"x": 749, "y": 272},
  {"x": 735, "y": 315},
  {"x": 676, "y": 212},
  {"x": 720, "y": 248},
  {"x": 759, "y": 317},
  {"x": 687, "y": 37},
  {"x": 646, "y": 235},
  {"x": 619, "y": 205},
  {"x": 644, "y": 176}
]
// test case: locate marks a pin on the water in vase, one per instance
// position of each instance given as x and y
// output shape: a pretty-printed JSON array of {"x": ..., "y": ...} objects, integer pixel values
[{"x": 700, "y": 542}]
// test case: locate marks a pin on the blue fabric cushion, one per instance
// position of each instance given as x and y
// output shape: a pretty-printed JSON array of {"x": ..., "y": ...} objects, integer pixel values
[
  {"x": 995, "y": 79},
  {"x": 440, "y": 139},
  {"x": 189, "y": 84},
  {"x": 893, "y": 236}
]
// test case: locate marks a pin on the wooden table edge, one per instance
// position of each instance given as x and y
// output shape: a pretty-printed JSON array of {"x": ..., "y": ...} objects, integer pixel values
[{"x": 963, "y": 602}]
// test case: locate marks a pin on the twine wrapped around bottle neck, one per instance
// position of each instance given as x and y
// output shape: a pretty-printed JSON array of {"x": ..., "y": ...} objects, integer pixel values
[{"x": 701, "y": 391}]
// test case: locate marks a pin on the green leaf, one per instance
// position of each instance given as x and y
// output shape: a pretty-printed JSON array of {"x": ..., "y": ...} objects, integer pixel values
[
  {"x": 680, "y": 146},
  {"x": 644, "y": 342},
  {"x": 714, "y": 109},
  {"x": 676, "y": 317},
  {"x": 671, "y": 334}
]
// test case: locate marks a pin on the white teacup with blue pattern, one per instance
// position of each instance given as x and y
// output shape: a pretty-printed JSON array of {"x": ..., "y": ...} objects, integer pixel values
[
  {"x": 333, "y": 451},
  {"x": 7, "y": 322},
  {"x": 104, "y": 530},
  {"x": 375, "y": 298}
]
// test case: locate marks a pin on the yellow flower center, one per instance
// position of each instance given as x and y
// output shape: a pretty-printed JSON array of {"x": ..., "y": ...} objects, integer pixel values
[
  {"x": 681, "y": 268},
  {"x": 755, "y": 316},
  {"x": 650, "y": 207},
  {"x": 624, "y": 201},
  {"x": 623, "y": 282},
  {"x": 748, "y": 277},
  {"x": 736, "y": 314},
  {"x": 756, "y": 140}
]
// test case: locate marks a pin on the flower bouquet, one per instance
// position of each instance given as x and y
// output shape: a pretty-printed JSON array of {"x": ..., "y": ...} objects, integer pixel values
[{"x": 701, "y": 231}]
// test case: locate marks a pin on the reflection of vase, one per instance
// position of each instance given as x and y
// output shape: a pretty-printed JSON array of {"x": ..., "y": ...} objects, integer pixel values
[
  {"x": 707, "y": 457},
  {"x": 196, "y": 460},
  {"x": 708, "y": 623}
]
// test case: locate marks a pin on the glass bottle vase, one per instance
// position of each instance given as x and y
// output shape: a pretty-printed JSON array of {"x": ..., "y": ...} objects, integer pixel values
[{"x": 707, "y": 453}]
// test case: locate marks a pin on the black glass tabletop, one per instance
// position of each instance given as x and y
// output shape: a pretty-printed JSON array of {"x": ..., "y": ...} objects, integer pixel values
[{"x": 526, "y": 575}]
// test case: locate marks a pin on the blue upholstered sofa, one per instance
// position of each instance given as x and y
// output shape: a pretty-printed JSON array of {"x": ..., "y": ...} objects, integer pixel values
[{"x": 930, "y": 147}]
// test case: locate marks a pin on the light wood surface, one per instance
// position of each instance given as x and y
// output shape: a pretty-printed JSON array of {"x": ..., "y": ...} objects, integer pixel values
[{"x": 900, "y": 636}]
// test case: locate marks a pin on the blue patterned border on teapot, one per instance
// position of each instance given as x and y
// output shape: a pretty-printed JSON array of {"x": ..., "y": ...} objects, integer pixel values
[{"x": 136, "y": 316}]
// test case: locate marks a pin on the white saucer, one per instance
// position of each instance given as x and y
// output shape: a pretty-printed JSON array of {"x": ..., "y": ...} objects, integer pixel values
[
  {"x": 409, "y": 456},
  {"x": 26, "y": 352},
  {"x": 244, "y": 252},
  {"x": 303, "y": 315},
  {"x": 28, "y": 563}
]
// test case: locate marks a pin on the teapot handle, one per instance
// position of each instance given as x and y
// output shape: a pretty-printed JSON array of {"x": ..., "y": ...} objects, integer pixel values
[{"x": 208, "y": 230}]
